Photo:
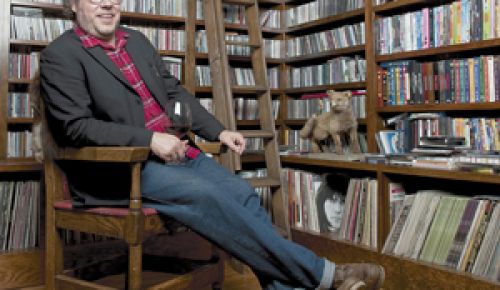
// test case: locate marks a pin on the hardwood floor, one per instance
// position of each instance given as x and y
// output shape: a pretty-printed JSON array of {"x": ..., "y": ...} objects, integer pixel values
[{"x": 233, "y": 280}]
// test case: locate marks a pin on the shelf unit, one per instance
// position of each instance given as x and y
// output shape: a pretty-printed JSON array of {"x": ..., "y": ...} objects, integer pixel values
[
  {"x": 401, "y": 273},
  {"x": 26, "y": 271},
  {"x": 20, "y": 267}
]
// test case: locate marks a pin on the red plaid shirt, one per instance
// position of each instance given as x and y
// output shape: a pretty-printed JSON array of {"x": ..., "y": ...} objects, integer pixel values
[{"x": 155, "y": 118}]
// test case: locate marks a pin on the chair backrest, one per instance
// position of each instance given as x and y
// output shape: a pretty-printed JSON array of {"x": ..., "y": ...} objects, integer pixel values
[{"x": 44, "y": 145}]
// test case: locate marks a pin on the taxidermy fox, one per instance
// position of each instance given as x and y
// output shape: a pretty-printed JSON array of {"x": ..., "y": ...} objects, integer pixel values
[{"x": 338, "y": 121}]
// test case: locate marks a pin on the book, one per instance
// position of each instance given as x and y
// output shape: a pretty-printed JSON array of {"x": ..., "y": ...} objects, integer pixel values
[
  {"x": 462, "y": 233},
  {"x": 429, "y": 250},
  {"x": 397, "y": 228},
  {"x": 486, "y": 258},
  {"x": 450, "y": 231},
  {"x": 388, "y": 142}
]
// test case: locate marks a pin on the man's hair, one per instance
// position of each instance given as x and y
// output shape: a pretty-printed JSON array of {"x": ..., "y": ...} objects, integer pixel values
[{"x": 67, "y": 12}]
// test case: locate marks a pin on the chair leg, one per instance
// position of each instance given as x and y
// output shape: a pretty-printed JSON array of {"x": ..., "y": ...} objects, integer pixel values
[
  {"x": 53, "y": 251},
  {"x": 53, "y": 258},
  {"x": 134, "y": 278},
  {"x": 220, "y": 260}
]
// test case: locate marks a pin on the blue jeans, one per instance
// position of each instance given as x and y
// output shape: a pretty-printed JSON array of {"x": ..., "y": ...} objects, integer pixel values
[{"x": 225, "y": 209}]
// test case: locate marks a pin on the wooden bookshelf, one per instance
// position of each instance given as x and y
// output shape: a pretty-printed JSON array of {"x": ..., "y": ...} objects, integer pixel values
[
  {"x": 18, "y": 269},
  {"x": 401, "y": 273}
]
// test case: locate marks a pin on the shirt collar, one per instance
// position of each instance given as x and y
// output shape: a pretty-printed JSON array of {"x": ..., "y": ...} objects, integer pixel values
[{"x": 90, "y": 41}]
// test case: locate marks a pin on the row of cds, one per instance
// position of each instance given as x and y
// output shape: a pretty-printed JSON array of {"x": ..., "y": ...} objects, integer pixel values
[
  {"x": 239, "y": 76},
  {"x": 334, "y": 71}
]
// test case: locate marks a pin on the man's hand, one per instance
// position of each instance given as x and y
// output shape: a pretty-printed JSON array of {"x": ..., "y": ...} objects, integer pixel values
[
  {"x": 233, "y": 140},
  {"x": 168, "y": 147}
]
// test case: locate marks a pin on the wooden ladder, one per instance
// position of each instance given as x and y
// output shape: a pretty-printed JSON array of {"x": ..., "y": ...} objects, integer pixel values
[{"x": 222, "y": 90}]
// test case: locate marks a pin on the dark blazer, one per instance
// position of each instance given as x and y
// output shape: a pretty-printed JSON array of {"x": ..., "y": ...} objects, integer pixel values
[{"x": 89, "y": 102}]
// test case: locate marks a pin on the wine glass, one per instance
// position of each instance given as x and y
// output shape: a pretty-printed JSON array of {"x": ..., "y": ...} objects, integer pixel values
[{"x": 180, "y": 117}]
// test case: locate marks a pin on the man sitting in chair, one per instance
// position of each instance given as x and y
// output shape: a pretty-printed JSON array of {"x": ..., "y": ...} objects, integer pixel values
[{"x": 105, "y": 85}]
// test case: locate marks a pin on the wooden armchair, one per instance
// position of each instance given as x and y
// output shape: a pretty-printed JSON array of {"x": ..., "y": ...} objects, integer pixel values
[{"x": 133, "y": 224}]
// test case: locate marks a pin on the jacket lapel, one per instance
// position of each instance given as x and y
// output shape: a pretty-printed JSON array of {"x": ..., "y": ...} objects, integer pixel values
[
  {"x": 148, "y": 71},
  {"x": 100, "y": 56}
]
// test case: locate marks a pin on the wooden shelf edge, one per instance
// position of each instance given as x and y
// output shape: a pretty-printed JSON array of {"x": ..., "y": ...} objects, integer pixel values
[
  {"x": 401, "y": 273},
  {"x": 242, "y": 27},
  {"x": 457, "y": 175},
  {"x": 25, "y": 42},
  {"x": 19, "y": 81},
  {"x": 463, "y": 47},
  {"x": 303, "y": 121},
  {"x": 21, "y": 269},
  {"x": 269, "y": 2},
  {"x": 389, "y": 6},
  {"x": 232, "y": 57},
  {"x": 439, "y": 107},
  {"x": 342, "y": 86},
  {"x": 314, "y": 161},
  {"x": 176, "y": 53},
  {"x": 152, "y": 17},
  {"x": 20, "y": 166},
  {"x": 45, "y": 6},
  {"x": 20, "y": 120}
]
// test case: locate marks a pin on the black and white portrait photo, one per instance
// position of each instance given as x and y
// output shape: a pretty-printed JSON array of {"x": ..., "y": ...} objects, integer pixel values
[{"x": 330, "y": 202}]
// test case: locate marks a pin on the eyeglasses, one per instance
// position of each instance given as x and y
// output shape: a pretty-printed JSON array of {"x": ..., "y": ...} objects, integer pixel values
[{"x": 99, "y": 2}]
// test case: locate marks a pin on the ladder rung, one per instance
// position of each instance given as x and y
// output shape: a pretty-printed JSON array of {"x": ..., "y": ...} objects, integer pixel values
[
  {"x": 263, "y": 181},
  {"x": 239, "y": 2},
  {"x": 257, "y": 133},
  {"x": 242, "y": 43},
  {"x": 249, "y": 89}
]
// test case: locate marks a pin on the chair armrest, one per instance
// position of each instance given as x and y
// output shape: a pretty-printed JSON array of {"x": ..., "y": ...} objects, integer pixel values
[
  {"x": 104, "y": 154},
  {"x": 211, "y": 147}
]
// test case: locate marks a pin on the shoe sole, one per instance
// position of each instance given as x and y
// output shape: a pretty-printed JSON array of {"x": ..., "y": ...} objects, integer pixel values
[
  {"x": 354, "y": 284},
  {"x": 381, "y": 278}
]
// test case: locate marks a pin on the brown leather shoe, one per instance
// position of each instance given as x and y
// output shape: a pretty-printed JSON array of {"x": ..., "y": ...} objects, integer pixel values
[{"x": 358, "y": 276}]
